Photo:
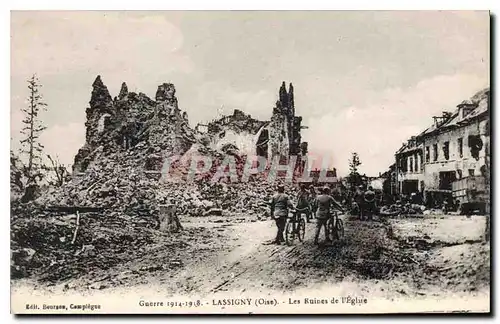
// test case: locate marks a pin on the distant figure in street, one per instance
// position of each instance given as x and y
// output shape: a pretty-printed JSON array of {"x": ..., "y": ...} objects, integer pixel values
[
  {"x": 312, "y": 201},
  {"x": 445, "y": 206},
  {"x": 414, "y": 198},
  {"x": 303, "y": 204},
  {"x": 280, "y": 204},
  {"x": 358, "y": 202},
  {"x": 325, "y": 202},
  {"x": 369, "y": 204},
  {"x": 456, "y": 207}
]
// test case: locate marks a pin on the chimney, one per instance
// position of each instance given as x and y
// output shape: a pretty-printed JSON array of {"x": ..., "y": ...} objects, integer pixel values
[
  {"x": 411, "y": 141},
  {"x": 446, "y": 115}
]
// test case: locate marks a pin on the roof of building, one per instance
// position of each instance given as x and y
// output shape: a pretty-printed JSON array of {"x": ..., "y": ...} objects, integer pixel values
[
  {"x": 479, "y": 100},
  {"x": 406, "y": 147},
  {"x": 466, "y": 102},
  {"x": 402, "y": 148}
]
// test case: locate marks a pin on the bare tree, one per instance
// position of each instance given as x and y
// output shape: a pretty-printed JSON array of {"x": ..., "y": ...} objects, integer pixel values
[
  {"x": 354, "y": 177},
  {"x": 59, "y": 170},
  {"x": 31, "y": 146},
  {"x": 354, "y": 163}
]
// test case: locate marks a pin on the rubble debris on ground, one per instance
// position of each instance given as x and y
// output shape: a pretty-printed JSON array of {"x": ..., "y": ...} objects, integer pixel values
[
  {"x": 43, "y": 245},
  {"x": 128, "y": 139},
  {"x": 118, "y": 172},
  {"x": 399, "y": 209}
]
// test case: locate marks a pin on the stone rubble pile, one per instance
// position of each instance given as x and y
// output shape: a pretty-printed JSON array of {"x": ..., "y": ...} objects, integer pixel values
[
  {"x": 128, "y": 138},
  {"x": 204, "y": 198},
  {"x": 44, "y": 244},
  {"x": 111, "y": 183},
  {"x": 117, "y": 174}
]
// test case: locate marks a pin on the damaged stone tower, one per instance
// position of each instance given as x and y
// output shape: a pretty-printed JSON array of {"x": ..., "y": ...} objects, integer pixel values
[
  {"x": 133, "y": 122},
  {"x": 285, "y": 138}
]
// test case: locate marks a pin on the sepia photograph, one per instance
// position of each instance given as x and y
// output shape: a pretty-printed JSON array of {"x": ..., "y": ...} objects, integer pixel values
[{"x": 250, "y": 162}]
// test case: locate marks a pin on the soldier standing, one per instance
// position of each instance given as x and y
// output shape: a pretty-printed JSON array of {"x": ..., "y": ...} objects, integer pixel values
[
  {"x": 280, "y": 204},
  {"x": 369, "y": 203},
  {"x": 303, "y": 206},
  {"x": 325, "y": 202},
  {"x": 312, "y": 199}
]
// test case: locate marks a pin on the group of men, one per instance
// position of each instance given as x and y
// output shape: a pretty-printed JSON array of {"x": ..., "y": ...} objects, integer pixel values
[
  {"x": 364, "y": 203},
  {"x": 308, "y": 203}
]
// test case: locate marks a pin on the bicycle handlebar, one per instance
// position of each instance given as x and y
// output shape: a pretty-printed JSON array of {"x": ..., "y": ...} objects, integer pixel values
[{"x": 340, "y": 211}]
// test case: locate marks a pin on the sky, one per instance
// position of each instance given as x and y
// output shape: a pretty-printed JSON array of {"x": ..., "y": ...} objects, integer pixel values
[{"x": 364, "y": 81}]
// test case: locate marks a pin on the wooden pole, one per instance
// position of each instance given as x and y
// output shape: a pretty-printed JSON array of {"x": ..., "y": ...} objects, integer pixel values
[{"x": 77, "y": 226}]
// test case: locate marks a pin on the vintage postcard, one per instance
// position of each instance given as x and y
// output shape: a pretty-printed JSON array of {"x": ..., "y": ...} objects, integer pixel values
[{"x": 250, "y": 162}]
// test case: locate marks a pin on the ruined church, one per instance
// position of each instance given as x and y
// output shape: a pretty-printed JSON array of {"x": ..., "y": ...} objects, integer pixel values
[{"x": 280, "y": 136}]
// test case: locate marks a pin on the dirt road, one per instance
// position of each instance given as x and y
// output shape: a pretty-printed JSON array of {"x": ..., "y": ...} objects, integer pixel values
[
  {"x": 373, "y": 256},
  {"x": 386, "y": 259}
]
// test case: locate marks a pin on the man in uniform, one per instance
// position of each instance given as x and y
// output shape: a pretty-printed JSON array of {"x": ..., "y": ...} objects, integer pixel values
[
  {"x": 369, "y": 203},
  {"x": 303, "y": 204},
  {"x": 358, "y": 199},
  {"x": 312, "y": 201},
  {"x": 280, "y": 204},
  {"x": 324, "y": 202}
]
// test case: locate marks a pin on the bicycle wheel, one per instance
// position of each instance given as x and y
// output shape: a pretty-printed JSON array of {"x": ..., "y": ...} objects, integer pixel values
[
  {"x": 330, "y": 226},
  {"x": 289, "y": 233},
  {"x": 302, "y": 229},
  {"x": 339, "y": 229}
]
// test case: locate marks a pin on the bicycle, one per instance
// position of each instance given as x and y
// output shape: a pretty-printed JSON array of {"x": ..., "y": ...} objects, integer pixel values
[
  {"x": 335, "y": 227},
  {"x": 295, "y": 227}
]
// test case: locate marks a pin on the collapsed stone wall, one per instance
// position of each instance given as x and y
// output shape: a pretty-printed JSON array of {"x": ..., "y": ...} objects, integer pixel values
[
  {"x": 239, "y": 131},
  {"x": 129, "y": 137},
  {"x": 133, "y": 121},
  {"x": 127, "y": 140},
  {"x": 238, "y": 121},
  {"x": 279, "y": 136}
]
